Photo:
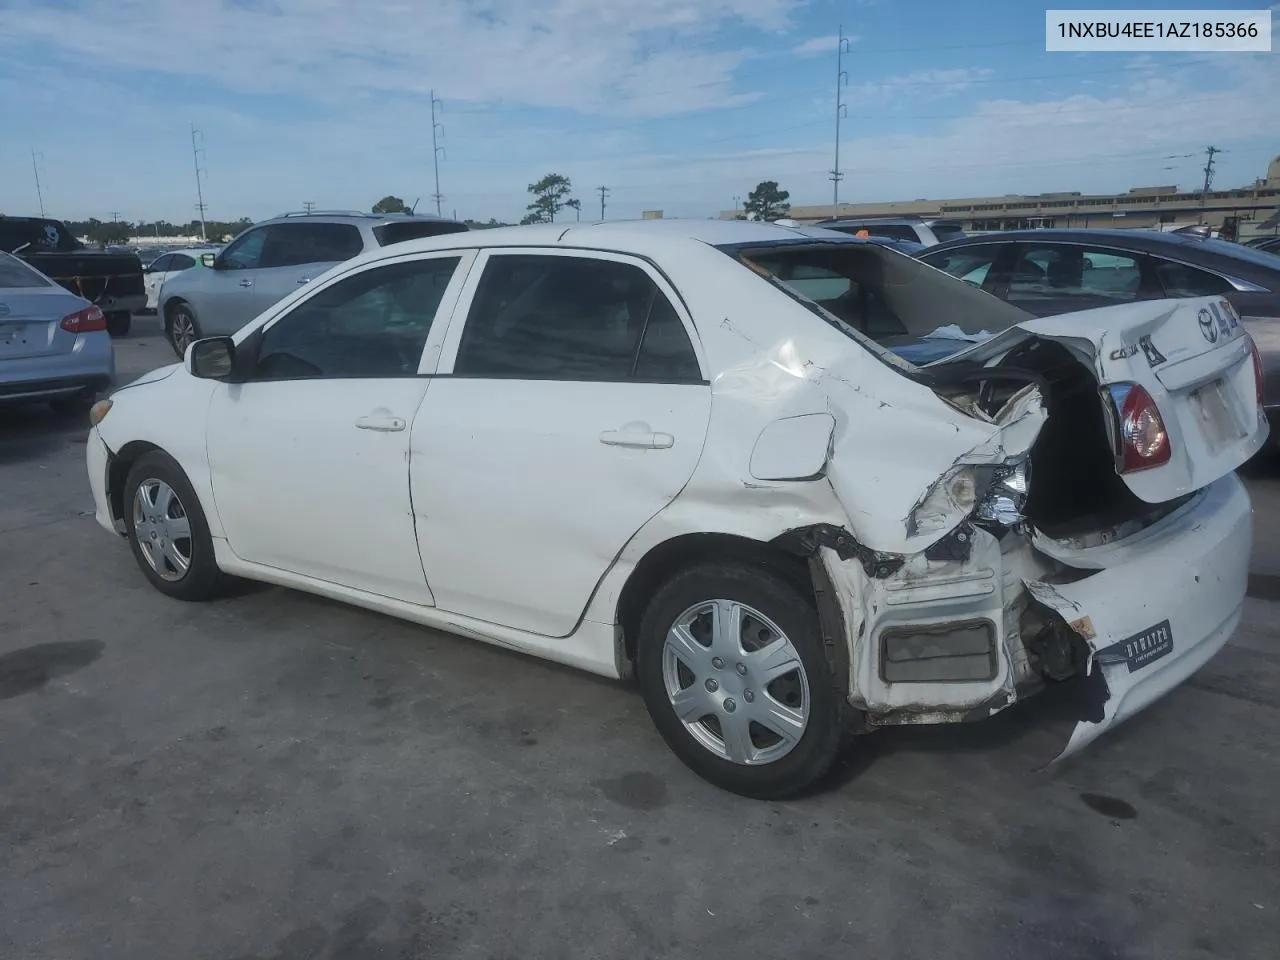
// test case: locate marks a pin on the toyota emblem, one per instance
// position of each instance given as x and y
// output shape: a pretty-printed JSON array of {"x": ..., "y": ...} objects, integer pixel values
[{"x": 1208, "y": 326}]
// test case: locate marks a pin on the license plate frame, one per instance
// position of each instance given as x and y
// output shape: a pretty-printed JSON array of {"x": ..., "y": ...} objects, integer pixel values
[{"x": 1141, "y": 649}]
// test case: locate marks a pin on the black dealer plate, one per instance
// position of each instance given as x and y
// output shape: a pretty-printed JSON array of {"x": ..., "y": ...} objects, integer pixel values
[{"x": 1140, "y": 649}]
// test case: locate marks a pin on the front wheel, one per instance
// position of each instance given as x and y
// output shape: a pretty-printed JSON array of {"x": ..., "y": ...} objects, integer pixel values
[
  {"x": 734, "y": 673},
  {"x": 183, "y": 329},
  {"x": 167, "y": 530},
  {"x": 118, "y": 323}
]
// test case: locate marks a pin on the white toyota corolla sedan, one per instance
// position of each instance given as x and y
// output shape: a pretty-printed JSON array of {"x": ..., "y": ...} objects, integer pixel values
[{"x": 798, "y": 484}]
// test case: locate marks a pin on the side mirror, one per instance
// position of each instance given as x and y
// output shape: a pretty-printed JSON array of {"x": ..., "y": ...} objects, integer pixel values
[
  {"x": 211, "y": 359},
  {"x": 208, "y": 259}
]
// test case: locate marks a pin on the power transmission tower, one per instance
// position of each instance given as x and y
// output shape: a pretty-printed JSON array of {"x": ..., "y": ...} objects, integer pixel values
[
  {"x": 308, "y": 206},
  {"x": 35, "y": 168},
  {"x": 603, "y": 192},
  {"x": 436, "y": 148},
  {"x": 1208, "y": 178},
  {"x": 195, "y": 158},
  {"x": 842, "y": 81}
]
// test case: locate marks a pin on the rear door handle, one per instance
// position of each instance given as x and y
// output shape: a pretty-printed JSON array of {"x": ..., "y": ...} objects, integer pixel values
[
  {"x": 246, "y": 283},
  {"x": 304, "y": 280},
  {"x": 381, "y": 424},
  {"x": 632, "y": 438}
]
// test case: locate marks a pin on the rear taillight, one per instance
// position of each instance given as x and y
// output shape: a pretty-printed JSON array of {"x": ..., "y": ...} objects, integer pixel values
[
  {"x": 1141, "y": 438},
  {"x": 88, "y": 320},
  {"x": 1257, "y": 369}
]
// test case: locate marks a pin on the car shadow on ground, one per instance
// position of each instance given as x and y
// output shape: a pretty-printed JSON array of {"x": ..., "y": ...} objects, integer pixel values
[{"x": 29, "y": 431}]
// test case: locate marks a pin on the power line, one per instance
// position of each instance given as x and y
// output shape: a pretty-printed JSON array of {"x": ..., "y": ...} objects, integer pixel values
[
  {"x": 842, "y": 80},
  {"x": 603, "y": 192},
  {"x": 436, "y": 126}
]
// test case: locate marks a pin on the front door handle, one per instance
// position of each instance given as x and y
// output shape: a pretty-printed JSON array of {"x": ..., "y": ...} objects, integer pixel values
[
  {"x": 635, "y": 438},
  {"x": 246, "y": 283},
  {"x": 381, "y": 424},
  {"x": 304, "y": 280}
]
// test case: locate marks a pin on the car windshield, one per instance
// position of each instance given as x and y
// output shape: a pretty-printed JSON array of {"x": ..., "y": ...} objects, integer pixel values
[
  {"x": 14, "y": 274},
  {"x": 873, "y": 293}
]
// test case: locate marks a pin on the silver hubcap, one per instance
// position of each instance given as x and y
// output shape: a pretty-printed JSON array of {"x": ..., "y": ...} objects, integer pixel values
[
  {"x": 184, "y": 331},
  {"x": 736, "y": 682},
  {"x": 164, "y": 533}
]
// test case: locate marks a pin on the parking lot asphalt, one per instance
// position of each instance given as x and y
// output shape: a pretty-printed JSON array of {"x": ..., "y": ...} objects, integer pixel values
[{"x": 276, "y": 777}]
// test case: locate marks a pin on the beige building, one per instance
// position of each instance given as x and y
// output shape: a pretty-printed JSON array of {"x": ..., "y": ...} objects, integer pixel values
[{"x": 1241, "y": 209}]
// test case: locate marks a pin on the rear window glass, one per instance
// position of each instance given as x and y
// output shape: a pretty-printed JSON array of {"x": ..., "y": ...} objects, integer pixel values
[
  {"x": 15, "y": 274},
  {"x": 390, "y": 233},
  {"x": 946, "y": 231},
  {"x": 36, "y": 234}
]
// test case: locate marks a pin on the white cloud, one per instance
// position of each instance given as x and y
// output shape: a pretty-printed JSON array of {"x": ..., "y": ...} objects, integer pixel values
[
  {"x": 819, "y": 46},
  {"x": 578, "y": 54}
]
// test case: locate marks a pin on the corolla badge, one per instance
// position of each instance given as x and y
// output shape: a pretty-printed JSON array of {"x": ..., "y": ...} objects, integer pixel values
[{"x": 1208, "y": 326}]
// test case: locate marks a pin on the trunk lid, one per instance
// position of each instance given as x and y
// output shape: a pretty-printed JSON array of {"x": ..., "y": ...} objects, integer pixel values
[
  {"x": 30, "y": 322},
  {"x": 1192, "y": 356}
]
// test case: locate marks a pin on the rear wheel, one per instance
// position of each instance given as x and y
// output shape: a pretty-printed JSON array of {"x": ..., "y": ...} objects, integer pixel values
[
  {"x": 118, "y": 323},
  {"x": 167, "y": 530},
  {"x": 182, "y": 329},
  {"x": 734, "y": 674}
]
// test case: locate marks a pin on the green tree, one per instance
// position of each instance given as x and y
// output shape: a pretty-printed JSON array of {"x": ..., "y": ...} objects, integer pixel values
[
  {"x": 390, "y": 204},
  {"x": 767, "y": 202},
  {"x": 550, "y": 196}
]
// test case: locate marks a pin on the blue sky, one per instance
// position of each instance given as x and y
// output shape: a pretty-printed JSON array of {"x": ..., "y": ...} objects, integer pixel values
[{"x": 678, "y": 105}]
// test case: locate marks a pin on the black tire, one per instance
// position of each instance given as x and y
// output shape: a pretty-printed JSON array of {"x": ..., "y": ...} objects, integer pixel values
[
  {"x": 179, "y": 320},
  {"x": 118, "y": 323},
  {"x": 202, "y": 579},
  {"x": 830, "y": 715}
]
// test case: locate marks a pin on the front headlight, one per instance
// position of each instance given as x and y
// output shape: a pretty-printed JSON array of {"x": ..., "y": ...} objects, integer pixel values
[
  {"x": 947, "y": 503},
  {"x": 98, "y": 412}
]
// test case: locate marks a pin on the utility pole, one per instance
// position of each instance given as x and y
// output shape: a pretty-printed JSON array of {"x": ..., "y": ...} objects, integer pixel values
[
  {"x": 195, "y": 158},
  {"x": 1208, "y": 178},
  {"x": 436, "y": 127},
  {"x": 35, "y": 168},
  {"x": 603, "y": 192},
  {"x": 308, "y": 206},
  {"x": 842, "y": 81}
]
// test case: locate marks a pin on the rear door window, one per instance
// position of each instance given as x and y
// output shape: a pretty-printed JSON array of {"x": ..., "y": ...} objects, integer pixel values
[
  {"x": 295, "y": 244},
  {"x": 572, "y": 318},
  {"x": 1055, "y": 272},
  {"x": 390, "y": 233},
  {"x": 1179, "y": 280}
]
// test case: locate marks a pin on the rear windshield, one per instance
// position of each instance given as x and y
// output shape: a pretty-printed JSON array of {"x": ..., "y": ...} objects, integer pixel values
[
  {"x": 15, "y": 274},
  {"x": 390, "y": 233},
  {"x": 877, "y": 294},
  {"x": 35, "y": 235},
  {"x": 946, "y": 231}
]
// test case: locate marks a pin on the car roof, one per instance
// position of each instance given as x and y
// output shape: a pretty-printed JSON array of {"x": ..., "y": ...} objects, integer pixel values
[
  {"x": 354, "y": 216},
  {"x": 644, "y": 238}
]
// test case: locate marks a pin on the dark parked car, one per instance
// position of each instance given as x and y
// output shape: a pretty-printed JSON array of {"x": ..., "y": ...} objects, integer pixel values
[
  {"x": 1059, "y": 271},
  {"x": 110, "y": 281}
]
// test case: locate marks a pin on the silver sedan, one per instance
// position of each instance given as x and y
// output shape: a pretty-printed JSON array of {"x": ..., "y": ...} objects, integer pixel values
[{"x": 54, "y": 345}]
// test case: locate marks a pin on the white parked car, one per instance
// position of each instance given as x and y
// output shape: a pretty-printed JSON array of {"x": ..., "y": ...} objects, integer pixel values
[
  {"x": 168, "y": 265},
  {"x": 681, "y": 451}
]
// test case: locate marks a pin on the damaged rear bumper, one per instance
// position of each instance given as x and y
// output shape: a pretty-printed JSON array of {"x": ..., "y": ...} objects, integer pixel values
[
  {"x": 1161, "y": 603},
  {"x": 956, "y": 639}
]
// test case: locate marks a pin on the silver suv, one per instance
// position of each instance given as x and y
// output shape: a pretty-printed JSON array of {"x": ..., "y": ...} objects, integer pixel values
[
  {"x": 926, "y": 231},
  {"x": 270, "y": 260}
]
